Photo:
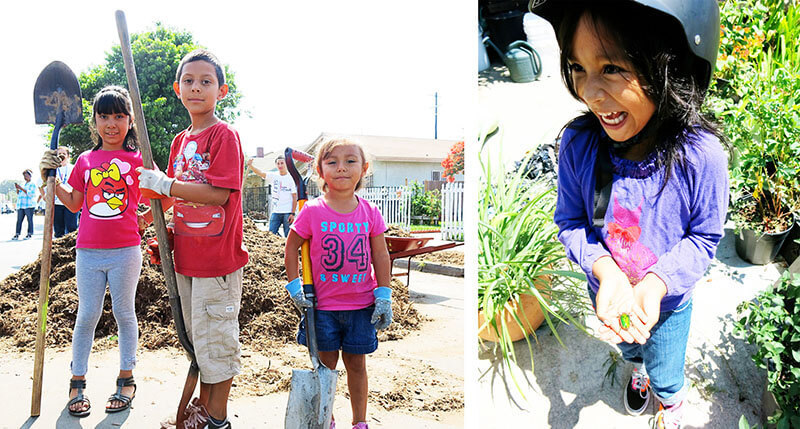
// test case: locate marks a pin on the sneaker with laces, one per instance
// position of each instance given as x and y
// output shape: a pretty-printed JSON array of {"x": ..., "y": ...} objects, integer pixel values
[
  {"x": 361, "y": 425},
  {"x": 669, "y": 417},
  {"x": 637, "y": 394},
  {"x": 211, "y": 425},
  {"x": 15, "y": 238}
]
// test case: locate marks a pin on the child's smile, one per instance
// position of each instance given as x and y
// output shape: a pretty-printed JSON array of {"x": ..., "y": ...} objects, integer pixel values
[
  {"x": 112, "y": 128},
  {"x": 607, "y": 83}
]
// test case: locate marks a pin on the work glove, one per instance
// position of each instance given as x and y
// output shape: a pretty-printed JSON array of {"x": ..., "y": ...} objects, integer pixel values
[
  {"x": 295, "y": 288},
  {"x": 155, "y": 181},
  {"x": 382, "y": 316},
  {"x": 50, "y": 161}
]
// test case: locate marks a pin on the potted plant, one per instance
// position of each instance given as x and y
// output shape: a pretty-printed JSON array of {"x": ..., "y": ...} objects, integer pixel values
[
  {"x": 764, "y": 127},
  {"x": 772, "y": 323},
  {"x": 521, "y": 264}
]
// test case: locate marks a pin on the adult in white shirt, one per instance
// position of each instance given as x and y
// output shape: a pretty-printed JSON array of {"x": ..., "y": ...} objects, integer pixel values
[
  {"x": 283, "y": 195},
  {"x": 64, "y": 221}
]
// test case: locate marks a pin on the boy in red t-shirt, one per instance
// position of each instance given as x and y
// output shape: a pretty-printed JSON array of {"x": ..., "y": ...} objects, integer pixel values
[{"x": 204, "y": 178}]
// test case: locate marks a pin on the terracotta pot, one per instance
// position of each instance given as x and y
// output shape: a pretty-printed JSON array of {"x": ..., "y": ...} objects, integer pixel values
[{"x": 528, "y": 310}]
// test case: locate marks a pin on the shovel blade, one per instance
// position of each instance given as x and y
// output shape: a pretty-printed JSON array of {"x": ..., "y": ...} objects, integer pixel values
[
  {"x": 57, "y": 90},
  {"x": 311, "y": 399}
]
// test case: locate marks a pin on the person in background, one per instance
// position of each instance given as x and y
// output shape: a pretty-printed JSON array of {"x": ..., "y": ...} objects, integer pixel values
[
  {"x": 25, "y": 204},
  {"x": 284, "y": 195}
]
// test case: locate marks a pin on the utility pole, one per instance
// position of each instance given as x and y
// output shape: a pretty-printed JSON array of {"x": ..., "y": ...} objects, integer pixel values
[{"x": 436, "y": 115}]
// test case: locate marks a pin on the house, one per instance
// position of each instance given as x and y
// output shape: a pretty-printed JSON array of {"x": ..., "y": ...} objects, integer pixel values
[{"x": 394, "y": 161}]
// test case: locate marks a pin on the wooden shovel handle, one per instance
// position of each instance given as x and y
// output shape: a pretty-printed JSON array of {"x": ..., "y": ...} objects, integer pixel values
[{"x": 156, "y": 208}]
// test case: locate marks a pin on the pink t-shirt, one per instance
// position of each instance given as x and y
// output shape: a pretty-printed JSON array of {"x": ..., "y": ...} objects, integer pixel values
[
  {"x": 111, "y": 196},
  {"x": 341, "y": 258}
]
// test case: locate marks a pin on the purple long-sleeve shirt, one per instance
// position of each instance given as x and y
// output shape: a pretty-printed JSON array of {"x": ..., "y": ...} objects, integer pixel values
[{"x": 673, "y": 234}]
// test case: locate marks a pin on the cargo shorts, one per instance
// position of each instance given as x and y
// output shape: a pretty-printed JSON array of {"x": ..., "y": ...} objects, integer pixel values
[{"x": 210, "y": 308}]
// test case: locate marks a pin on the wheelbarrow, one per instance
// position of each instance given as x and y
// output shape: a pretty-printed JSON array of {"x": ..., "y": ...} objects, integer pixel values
[{"x": 408, "y": 247}]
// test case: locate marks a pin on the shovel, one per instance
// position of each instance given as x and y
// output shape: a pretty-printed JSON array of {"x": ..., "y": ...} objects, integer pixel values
[
  {"x": 312, "y": 392},
  {"x": 167, "y": 266},
  {"x": 57, "y": 101}
]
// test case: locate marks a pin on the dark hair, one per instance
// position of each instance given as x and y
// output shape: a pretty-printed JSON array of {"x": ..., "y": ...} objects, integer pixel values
[
  {"x": 280, "y": 157},
  {"x": 202, "y": 55},
  {"x": 674, "y": 79},
  {"x": 110, "y": 100}
]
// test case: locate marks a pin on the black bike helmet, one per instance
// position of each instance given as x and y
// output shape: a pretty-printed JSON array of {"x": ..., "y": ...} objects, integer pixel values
[{"x": 698, "y": 18}]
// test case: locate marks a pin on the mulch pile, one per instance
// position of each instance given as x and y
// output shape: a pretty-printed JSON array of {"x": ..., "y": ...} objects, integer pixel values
[
  {"x": 396, "y": 231},
  {"x": 267, "y": 315}
]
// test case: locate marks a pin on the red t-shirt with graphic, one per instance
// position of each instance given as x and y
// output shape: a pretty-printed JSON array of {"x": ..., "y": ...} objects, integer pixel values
[
  {"x": 208, "y": 238},
  {"x": 111, "y": 195}
]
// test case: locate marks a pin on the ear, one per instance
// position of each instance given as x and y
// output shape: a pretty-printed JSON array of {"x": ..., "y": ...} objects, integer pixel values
[
  {"x": 177, "y": 88},
  {"x": 223, "y": 91},
  {"x": 364, "y": 170}
]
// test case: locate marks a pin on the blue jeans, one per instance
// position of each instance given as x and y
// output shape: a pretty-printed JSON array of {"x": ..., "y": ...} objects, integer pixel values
[
  {"x": 664, "y": 353},
  {"x": 349, "y": 330},
  {"x": 278, "y": 219},
  {"x": 22, "y": 214},
  {"x": 64, "y": 221}
]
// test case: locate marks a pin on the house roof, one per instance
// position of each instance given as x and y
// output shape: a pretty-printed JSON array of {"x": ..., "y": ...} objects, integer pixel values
[{"x": 398, "y": 149}]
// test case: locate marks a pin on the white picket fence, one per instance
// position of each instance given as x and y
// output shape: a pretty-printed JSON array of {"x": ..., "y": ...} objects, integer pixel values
[
  {"x": 394, "y": 202},
  {"x": 453, "y": 212}
]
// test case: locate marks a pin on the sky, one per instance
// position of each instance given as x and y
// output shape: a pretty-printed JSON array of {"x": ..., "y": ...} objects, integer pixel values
[{"x": 348, "y": 67}]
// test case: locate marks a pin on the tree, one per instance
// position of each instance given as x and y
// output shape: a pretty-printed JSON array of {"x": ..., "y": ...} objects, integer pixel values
[{"x": 156, "y": 55}]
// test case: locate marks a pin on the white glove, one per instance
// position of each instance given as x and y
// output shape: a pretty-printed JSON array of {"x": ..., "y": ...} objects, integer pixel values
[{"x": 155, "y": 181}]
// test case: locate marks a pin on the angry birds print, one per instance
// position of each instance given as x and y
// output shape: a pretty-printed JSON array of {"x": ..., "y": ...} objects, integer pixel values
[{"x": 107, "y": 189}]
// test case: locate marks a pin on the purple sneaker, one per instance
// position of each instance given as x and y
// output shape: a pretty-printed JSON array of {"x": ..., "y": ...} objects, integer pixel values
[{"x": 361, "y": 425}]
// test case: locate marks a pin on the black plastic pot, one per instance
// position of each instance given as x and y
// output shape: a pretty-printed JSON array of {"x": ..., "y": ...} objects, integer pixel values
[
  {"x": 504, "y": 28},
  {"x": 790, "y": 249},
  {"x": 759, "y": 249}
]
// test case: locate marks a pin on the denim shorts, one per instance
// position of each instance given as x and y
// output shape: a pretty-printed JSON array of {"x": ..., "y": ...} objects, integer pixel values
[
  {"x": 664, "y": 353},
  {"x": 346, "y": 330}
]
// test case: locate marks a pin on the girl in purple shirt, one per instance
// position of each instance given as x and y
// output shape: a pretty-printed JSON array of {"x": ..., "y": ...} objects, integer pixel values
[{"x": 642, "y": 176}]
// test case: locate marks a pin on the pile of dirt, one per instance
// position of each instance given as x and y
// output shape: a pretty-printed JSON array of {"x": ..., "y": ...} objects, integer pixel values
[
  {"x": 396, "y": 231},
  {"x": 267, "y": 315},
  {"x": 445, "y": 257},
  {"x": 256, "y": 215}
]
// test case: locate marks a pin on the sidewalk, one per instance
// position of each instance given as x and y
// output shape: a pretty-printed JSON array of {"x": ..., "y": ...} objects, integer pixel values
[
  {"x": 15, "y": 254},
  {"x": 566, "y": 388}
]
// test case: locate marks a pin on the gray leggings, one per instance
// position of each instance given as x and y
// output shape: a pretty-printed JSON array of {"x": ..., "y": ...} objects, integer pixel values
[{"x": 94, "y": 268}]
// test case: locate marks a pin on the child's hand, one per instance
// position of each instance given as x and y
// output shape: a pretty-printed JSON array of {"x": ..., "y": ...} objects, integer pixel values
[
  {"x": 295, "y": 289},
  {"x": 614, "y": 298},
  {"x": 382, "y": 316},
  {"x": 50, "y": 161},
  {"x": 155, "y": 181},
  {"x": 648, "y": 295}
]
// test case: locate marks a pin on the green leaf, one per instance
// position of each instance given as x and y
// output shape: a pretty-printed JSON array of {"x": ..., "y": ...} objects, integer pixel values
[{"x": 743, "y": 423}]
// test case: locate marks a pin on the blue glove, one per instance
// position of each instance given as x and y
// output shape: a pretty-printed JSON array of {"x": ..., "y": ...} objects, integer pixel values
[
  {"x": 382, "y": 316},
  {"x": 295, "y": 288},
  {"x": 155, "y": 181}
]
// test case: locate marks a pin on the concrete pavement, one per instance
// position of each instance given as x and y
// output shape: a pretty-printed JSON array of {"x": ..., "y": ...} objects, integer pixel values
[{"x": 15, "y": 254}]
